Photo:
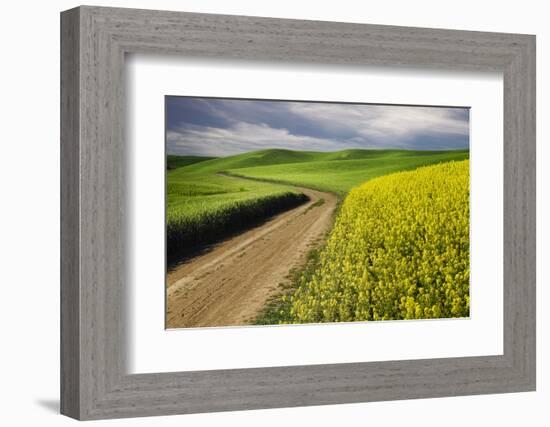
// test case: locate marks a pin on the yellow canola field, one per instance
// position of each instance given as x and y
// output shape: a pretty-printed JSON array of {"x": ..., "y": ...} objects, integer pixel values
[{"x": 400, "y": 249}]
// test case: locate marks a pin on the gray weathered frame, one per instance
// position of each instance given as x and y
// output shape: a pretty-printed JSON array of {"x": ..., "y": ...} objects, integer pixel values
[{"x": 94, "y": 41}]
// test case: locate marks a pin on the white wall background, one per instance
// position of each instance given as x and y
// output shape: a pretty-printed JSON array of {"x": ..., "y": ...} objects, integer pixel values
[{"x": 29, "y": 212}]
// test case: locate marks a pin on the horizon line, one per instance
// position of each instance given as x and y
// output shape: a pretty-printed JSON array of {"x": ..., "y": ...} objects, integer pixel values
[{"x": 319, "y": 152}]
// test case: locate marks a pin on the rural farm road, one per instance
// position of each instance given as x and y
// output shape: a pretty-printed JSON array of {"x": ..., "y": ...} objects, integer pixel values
[{"x": 230, "y": 284}]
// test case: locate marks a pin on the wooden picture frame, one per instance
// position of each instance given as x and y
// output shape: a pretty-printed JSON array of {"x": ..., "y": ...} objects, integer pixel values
[{"x": 94, "y": 382}]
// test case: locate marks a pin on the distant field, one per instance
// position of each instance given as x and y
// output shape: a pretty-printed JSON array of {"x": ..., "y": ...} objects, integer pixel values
[
  {"x": 203, "y": 206},
  {"x": 173, "y": 162},
  {"x": 341, "y": 171}
]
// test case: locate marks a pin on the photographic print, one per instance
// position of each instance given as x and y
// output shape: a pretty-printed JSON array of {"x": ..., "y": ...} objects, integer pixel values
[{"x": 295, "y": 212}]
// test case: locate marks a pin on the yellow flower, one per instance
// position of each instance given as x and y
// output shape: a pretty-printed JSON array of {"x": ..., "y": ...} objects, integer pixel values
[{"x": 399, "y": 250}]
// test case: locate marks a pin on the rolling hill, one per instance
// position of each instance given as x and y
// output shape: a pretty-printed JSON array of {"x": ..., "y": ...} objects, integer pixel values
[{"x": 208, "y": 197}]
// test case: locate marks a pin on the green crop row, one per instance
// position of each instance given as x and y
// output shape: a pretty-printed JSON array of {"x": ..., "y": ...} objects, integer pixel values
[{"x": 187, "y": 231}]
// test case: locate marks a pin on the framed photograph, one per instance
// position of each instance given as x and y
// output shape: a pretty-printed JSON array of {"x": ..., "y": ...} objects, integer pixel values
[
  {"x": 261, "y": 213},
  {"x": 252, "y": 190}
]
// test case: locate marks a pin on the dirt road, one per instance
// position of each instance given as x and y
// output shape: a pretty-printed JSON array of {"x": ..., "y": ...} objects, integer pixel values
[{"x": 230, "y": 284}]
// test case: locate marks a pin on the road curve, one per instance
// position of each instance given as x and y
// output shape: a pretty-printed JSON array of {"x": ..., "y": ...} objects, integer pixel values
[{"x": 229, "y": 285}]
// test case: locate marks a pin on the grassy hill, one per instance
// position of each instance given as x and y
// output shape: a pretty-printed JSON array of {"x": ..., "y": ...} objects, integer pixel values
[
  {"x": 173, "y": 162},
  {"x": 202, "y": 206},
  {"x": 279, "y": 157},
  {"x": 340, "y": 171}
]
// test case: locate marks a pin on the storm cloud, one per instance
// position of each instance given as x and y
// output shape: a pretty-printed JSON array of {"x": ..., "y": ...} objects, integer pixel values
[{"x": 222, "y": 127}]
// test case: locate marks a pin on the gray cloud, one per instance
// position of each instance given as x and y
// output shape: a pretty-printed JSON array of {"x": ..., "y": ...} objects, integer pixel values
[
  {"x": 221, "y": 127},
  {"x": 242, "y": 137},
  {"x": 383, "y": 121}
]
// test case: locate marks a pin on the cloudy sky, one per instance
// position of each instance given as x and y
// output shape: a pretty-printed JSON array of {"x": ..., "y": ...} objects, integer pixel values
[{"x": 223, "y": 127}]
